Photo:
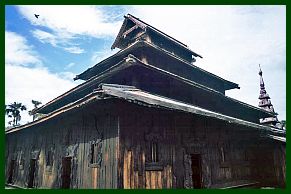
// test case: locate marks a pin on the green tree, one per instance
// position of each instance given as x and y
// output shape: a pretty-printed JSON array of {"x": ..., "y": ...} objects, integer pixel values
[
  {"x": 13, "y": 111},
  {"x": 32, "y": 112}
]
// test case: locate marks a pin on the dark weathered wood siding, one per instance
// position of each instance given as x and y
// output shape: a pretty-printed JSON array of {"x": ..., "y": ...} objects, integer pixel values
[
  {"x": 68, "y": 135},
  {"x": 231, "y": 155},
  {"x": 247, "y": 158}
]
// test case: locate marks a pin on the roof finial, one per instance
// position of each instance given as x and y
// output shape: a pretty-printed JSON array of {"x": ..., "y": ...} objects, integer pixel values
[
  {"x": 260, "y": 72},
  {"x": 262, "y": 84}
]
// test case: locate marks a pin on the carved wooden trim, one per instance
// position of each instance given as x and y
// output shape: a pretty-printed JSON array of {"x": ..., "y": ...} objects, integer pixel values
[
  {"x": 188, "y": 182},
  {"x": 97, "y": 144},
  {"x": 129, "y": 31},
  {"x": 154, "y": 166},
  {"x": 71, "y": 150},
  {"x": 21, "y": 160},
  {"x": 35, "y": 154}
]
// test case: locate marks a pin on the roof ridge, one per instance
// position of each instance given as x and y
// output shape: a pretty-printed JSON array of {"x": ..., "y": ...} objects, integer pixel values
[{"x": 157, "y": 29}]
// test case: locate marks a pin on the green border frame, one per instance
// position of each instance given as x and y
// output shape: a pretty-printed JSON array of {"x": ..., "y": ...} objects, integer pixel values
[
  {"x": 144, "y": 2},
  {"x": 124, "y": 2}
]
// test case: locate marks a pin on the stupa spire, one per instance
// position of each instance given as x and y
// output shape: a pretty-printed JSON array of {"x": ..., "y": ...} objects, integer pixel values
[{"x": 265, "y": 102}]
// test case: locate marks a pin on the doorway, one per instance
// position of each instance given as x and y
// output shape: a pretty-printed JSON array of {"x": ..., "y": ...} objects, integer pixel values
[
  {"x": 11, "y": 171},
  {"x": 196, "y": 171},
  {"x": 31, "y": 174},
  {"x": 66, "y": 172}
]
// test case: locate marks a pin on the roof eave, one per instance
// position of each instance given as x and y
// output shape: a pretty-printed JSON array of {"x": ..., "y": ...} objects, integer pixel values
[
  {"x": 117, "y": 39},
  {"x": 160, "y": 70},
  {"x": 111, "y": 89},
  {"x": 130, "y": 93}
]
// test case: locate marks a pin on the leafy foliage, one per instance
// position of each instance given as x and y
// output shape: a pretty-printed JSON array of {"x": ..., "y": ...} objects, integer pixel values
[
  {"x": 13, "y": 111},
  {"x": 32, "y": 112}
]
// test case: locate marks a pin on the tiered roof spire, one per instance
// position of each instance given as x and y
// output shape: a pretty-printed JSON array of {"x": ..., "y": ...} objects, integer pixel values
[{"x": 265, "y": 103}]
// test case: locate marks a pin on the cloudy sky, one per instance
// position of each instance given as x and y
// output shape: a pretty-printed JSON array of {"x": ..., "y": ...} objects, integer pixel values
[{"x": 43, "y": 55}]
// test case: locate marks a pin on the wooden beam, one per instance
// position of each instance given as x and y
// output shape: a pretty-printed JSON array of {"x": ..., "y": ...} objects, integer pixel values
[{"x": 129, "y": 31}]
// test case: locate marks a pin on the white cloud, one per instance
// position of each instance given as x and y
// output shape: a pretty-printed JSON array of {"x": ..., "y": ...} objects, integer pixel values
[
  {"x": 70, "y": 20},
  {"x": 101, "y": 55},
  {"x": 24, "y": 84},
  {"x": 67, "y": 75},
  {"x": 67, "y": 23},
  {"x": 75, "y": 50},
  {"x": 233, "y": 40},
  {"x": 18, "y": 52},
  {"x": 45, "y": 37},
  {"x": 69, "y": 65},
  {"x": 57, "y": 41}
]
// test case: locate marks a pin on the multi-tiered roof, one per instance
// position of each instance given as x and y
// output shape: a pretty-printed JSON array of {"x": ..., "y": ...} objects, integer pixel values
[{"x": 155, "y": 69}]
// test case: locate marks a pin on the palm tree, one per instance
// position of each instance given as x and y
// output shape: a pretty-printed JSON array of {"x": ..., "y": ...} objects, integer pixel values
[
  {"x": 31, "y": 112},
  {"x": 13, "y": 111}
]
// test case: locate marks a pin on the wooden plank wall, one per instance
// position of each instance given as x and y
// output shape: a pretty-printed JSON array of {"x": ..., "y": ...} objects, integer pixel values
[
  {"x": 280, "y": 164},
  {"x": 184, "y": 134},
  {"x": 69, "y": 135},
  {"x": 134, "y": 179},
  {"x": 125, "y": 150}
]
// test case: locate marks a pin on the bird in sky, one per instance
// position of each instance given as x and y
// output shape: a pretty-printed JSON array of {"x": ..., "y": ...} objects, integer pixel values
[{"x": 36, "y": 16}]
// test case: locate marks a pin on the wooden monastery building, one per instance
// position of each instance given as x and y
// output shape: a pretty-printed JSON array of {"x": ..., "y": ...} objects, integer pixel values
[{"x": 147, "y": 117}]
